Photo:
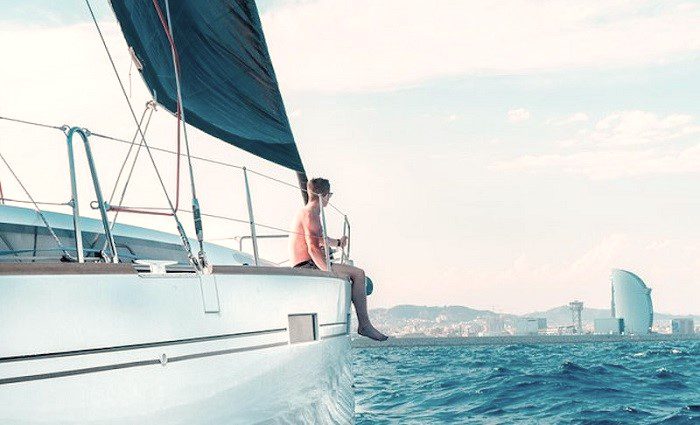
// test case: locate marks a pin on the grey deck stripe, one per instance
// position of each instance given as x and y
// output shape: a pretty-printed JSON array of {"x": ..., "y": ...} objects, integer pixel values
[
  {"x": 96, "y": 369},
  {"x": 221, "y": 352},
  {"x": 73, "y": 372},
  {"x": 333, "y": 335},
  {"x": 333, "y": 324},
  {"x": 138, "y": 346}
]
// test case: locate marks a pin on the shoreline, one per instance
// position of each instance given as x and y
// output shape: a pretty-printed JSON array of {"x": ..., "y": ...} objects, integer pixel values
[{"x": 517, "y": 339}]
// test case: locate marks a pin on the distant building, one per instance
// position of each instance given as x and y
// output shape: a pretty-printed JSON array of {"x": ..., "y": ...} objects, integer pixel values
[
  {"x": 526, "y": 326},
  {"x": 541, "y": 323},
  {"x": 494, "y": 326},
  {"x": 631, "y": 301},
  {"x": 682, "y": 326},
  {"x": 608, "y": 326}
]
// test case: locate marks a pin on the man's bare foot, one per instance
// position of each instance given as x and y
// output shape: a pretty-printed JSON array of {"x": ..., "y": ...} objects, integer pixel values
[{"x": 371, "y": 333}]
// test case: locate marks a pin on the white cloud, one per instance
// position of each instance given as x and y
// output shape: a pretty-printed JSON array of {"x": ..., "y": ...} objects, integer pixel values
[
  {"x": 627, "y": 128},
  {"x": 518, "y": 115},
  {"x": 357, "y": 45},
  {"x": 610, "y": 164},
  {"x": 578, "y": 117},
  {"x": 622, "y": 144}
]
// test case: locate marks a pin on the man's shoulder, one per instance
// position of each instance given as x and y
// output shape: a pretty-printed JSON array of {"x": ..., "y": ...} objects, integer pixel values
[
  {"x": 308, "y": 212},
  {"x": 308, "y": 216}
]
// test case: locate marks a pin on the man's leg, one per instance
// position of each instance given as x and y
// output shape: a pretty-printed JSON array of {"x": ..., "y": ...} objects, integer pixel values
[{"x": 359, "y": 299}]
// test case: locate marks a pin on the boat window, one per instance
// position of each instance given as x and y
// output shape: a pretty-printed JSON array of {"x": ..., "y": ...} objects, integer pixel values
[{"x": 26, "y": 243}]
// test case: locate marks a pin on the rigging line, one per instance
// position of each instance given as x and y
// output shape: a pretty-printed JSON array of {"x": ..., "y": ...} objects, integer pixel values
[
  {"x": 180, "y": 229},
  {"x": 337, "y": 209},
  {"x": 37, "y": 124},
  {"x": 217, "y": 162},
  {"x": 176, "y": 64},
  {"x": 149, "y": 106},
  {"x": 198, "y": 158},
  {"x": 61, "y": 204},
  {"x": 131, "y": 65},
  {"x": 296, "y": 187},
  {"x": 238, "y": 220},
  {"x": 155, "y": 211},
  {"x": 131, "y": 171},
  {"x": 38, "y": 210},
  {"x": 232, "y": 219},
  {"x": 155, "y": 148},
  {"x": 180, "y": 113},
  {"x": 293, "y": 186},
  {"x": 7, "y": 243},
  {"x": 126, "y": 157}
]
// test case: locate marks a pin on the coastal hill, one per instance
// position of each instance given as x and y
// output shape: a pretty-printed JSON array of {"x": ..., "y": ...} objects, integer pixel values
[{"x": 454, "y": 313}]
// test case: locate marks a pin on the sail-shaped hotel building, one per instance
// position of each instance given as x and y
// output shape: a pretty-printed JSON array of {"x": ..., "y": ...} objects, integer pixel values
[{"x": 631, "y": 301}]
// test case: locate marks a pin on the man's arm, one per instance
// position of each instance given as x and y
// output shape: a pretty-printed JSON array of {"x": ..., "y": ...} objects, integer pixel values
[{"x": 313, "y": 233}]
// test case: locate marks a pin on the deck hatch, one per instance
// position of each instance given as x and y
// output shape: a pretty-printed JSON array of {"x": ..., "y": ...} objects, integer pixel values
[{"x": 303, "y": 328}]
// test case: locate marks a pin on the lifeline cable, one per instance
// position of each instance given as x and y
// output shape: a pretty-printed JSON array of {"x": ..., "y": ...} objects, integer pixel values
[
  {"x": 38, "y": 210},
  {"x": 171, "y": 152}
]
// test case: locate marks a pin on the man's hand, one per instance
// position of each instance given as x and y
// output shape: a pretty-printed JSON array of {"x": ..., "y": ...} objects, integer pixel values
[{"x": 343, "y": 242}]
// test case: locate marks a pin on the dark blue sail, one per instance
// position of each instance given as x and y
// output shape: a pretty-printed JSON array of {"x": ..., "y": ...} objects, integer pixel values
[{"x": 229, "y": 89}]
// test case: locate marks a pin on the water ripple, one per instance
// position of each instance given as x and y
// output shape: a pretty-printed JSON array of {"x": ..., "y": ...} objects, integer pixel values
[{"x": 625, "y": 382}]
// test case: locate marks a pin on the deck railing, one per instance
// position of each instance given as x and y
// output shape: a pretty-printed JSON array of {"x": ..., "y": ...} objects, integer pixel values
[{"x": 104, "y": 207}]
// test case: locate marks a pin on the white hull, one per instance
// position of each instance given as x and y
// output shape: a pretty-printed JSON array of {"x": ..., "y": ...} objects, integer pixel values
[{"x": 140, "y": 348}]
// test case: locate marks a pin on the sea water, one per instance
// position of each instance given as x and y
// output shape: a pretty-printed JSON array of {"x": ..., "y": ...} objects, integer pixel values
[{"x": 628, "y": 382}]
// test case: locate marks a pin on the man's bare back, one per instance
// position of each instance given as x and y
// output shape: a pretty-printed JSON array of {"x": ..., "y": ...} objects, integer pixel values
[{"x": 306, "y": 232}]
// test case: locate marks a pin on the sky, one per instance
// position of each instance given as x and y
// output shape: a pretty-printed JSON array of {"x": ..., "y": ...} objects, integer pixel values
[{"x": 495, "y": 155}]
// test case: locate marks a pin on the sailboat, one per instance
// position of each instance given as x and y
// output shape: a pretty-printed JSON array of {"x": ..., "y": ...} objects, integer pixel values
[{"x": 103, "y": 322}]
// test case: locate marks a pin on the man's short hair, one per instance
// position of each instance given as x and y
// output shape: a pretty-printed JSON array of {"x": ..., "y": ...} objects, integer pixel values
[{"x": 318, "y": 186}]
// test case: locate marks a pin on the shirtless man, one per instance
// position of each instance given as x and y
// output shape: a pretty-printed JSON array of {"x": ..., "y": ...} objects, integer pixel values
[{"x": 307, "y": 251}]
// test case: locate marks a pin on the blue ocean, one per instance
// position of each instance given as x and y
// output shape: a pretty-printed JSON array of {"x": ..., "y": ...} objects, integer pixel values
[{"x": 608, "y": 383}]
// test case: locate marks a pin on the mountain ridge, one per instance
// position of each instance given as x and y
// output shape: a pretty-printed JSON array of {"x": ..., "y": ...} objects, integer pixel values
[{"x": 556, "y": 316}]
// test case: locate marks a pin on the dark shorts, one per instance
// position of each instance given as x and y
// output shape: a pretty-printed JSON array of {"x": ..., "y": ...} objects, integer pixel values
[{"x": 308, "y": 264}]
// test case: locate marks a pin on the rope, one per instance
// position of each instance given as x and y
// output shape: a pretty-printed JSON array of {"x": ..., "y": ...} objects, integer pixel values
[
  {"x": 38, "y": 210},
  {"x": 179, "y": 113}
]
